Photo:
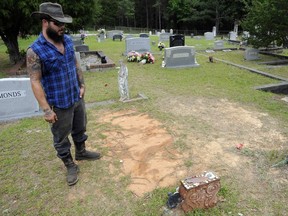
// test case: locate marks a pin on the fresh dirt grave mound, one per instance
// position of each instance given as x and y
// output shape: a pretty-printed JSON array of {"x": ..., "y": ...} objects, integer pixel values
[{"x": 145, "y": 150}]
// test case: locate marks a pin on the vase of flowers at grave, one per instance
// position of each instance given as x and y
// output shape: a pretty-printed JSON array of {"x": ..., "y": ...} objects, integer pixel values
[
  {"x": 133, "y": 56},
  {"x": 161, "y": 46},
  {"x": 148, "y": 57}
]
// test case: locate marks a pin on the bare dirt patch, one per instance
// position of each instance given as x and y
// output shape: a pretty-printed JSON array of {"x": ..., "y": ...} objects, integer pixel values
[
  {"x": 145, "y": 150},
  {"x": 210, "y": 130}
]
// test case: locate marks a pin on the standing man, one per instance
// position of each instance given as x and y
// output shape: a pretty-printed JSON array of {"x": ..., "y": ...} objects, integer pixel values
[{"x": 58, "y": 85}]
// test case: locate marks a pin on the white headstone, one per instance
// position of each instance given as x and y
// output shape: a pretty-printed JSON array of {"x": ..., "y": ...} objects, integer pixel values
[
  {"x": 76, "y": 39},
  {"x": 180, "y": 57},
  {"x": 163, "y": 31},
  {"x": 209, "y": 35},
  {"x": 164, "y": 37},
  {"x": 236, "y": 29},
  {"x": 251, "y": 54},
  {"x": 17, "y": 99},
  {"x": 232, "y": 36},
  {"x": 171, "y": 31},
  {"x": 101, "y": 37},
  {"x": 245, "y": 35},
  {"x": 214, "y": 31},
  {"x": 140, "y": 45},
  {"x": 219, "y": 44}
]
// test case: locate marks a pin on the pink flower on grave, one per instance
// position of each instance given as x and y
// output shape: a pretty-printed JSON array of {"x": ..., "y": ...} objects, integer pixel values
[
  {"x": 149, "y": 57},
  {"x": 133, "y": 56},
  {"x": 146, "y": 57}
]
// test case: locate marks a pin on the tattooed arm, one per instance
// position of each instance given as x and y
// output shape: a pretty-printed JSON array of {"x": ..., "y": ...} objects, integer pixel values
[
  {"x": 80, "y": 78},
  {"x": 34, "y": 70}
]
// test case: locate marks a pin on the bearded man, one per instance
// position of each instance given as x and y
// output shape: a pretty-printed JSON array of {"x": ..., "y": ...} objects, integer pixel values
[{"x": 58, "y": 85}]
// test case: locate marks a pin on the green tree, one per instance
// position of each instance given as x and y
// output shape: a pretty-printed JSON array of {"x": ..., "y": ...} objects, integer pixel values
[
  {"x": 179, "y": 13},
  {"x": 15, "y": 20},
  {"x": 267, "y": 22},
  {"x": 84, "y": 12},
  {"x": 126, "y": 11},
  {"x": 218, "y": 11}
]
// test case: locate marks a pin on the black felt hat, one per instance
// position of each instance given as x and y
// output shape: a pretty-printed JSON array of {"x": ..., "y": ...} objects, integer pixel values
[{"x": 54, "y": 11}]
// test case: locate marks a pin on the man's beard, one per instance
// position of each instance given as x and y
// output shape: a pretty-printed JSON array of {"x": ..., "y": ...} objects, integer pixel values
[{"x": 53, "y": 35}]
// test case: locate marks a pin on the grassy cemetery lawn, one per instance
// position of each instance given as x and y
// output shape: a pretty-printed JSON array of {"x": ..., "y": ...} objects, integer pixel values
[{"x": 192, "y": 121}]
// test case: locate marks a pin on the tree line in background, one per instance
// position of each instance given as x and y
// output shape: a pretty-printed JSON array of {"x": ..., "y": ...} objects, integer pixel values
[{"x": 266, "y": 20}]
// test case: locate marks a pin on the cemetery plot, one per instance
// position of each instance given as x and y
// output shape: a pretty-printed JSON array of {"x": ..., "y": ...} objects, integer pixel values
[{"x": 94, "y": 60}]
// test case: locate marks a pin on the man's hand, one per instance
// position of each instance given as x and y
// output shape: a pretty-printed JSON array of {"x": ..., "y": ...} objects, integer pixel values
[
  {"x": 50, "y": 116},
  {"x": 82, "y": 91}
]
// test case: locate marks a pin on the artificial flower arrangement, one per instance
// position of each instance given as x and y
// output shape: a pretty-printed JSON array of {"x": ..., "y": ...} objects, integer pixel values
[
  {"x": 133, "y": 56},
  {"x": 161, "y": 45},
  {"x": 146, "y": 57}
]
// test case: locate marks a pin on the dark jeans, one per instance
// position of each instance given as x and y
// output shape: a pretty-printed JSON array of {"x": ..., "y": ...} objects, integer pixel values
[{"x": 72, "y": 120}]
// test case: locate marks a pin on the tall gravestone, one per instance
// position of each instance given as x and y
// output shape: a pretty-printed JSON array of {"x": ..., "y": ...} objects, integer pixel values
[
  {"x": 180, "y": 57},
  {"x": 140, "y": 45},
  {"x": 235, "y": 30},
  {"x": 17, "y": 99},
  {"x": 214, "y": 30}
]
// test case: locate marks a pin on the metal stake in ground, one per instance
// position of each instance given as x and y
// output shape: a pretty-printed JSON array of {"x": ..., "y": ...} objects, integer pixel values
[{"x": 123, "y": 82}]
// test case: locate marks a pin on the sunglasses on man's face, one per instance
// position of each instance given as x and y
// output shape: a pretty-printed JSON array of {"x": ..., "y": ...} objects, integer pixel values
[{"x": 57, "y": 23}]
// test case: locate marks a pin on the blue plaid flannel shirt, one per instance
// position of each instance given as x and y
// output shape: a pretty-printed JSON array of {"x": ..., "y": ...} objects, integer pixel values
[{"x": 59, "y": 76}]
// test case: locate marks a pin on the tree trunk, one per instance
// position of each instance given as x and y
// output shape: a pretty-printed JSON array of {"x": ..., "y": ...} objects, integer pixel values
[
  {"x": 147, "y": 16},
  {"x": 11, "y": 42},
  {"x": 217, "y": 21}
]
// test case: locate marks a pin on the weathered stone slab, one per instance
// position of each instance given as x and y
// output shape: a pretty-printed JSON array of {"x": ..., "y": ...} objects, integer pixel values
[
  {"x": 180, "y": 57},
  {"x": 140, "y": 45},
  {"x": 17, "y": 99}
]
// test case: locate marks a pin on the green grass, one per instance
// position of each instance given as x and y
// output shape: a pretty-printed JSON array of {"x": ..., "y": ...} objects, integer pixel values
[{"x": 33, "y": 180}]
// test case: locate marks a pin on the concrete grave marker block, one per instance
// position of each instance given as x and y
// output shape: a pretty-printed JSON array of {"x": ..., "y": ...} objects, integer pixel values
[
  {"x": 77, "y": 40},
  {"x": 164, "y": 36},
  {"x": 232, "y": 36},
  {"x": 219, "y": 44},
  {"x": 140, "y": 45},
  {"x": 17, "y": 99},
  {"x": 209, "y": 35},
  {"x": 180, "y": 57},
  {"x": 251, "y": 54}
]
